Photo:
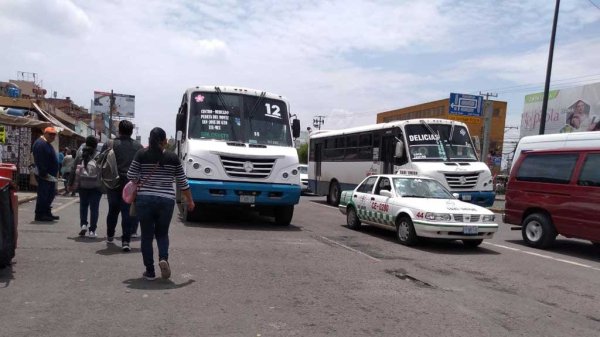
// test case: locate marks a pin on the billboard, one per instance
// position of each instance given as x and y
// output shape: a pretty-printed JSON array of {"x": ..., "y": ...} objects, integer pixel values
[
  {"x": 124, "y": 105},
  {"x": 569, "y": 110}
]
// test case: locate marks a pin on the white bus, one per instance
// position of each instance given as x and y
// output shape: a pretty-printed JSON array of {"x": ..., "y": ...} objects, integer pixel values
[
  {"x": 236, "y": 148},
  {"x": 437, "y": 148}
]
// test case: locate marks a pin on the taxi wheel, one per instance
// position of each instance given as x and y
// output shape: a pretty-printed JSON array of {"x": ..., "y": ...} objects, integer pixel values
[
  {"x": 405, "y": 231},
  {"x": 352, "y": 220},
  {"x": 472, "y": 243},
  {"x": 538, "y": 231}
]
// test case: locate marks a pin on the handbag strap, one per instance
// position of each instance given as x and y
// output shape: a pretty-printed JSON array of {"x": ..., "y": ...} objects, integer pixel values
[{"x": 142, "y": 181}]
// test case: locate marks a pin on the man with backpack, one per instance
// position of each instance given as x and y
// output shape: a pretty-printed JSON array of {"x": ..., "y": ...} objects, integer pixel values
[
  {"x": 85, "y": 178},
  {"x": 123, "y": 149}
]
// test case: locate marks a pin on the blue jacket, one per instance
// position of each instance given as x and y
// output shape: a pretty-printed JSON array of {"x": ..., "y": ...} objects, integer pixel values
[{"x": 45, "y": 158}]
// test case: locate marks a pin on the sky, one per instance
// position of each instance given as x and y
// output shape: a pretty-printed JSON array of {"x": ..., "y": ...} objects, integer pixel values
[{"x": 345, "y": 60}]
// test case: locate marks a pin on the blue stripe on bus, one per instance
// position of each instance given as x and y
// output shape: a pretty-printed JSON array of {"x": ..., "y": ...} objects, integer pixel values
[{"x": 227, "y": 192}]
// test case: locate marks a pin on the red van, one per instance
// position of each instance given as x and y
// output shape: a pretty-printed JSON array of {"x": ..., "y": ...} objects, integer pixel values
[{"x": 553, "y": 192}]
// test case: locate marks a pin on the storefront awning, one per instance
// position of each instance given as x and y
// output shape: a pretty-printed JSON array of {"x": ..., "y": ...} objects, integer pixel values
[
  {"x": 23, "y": 121},
  {"x": 63, "y": 129}
]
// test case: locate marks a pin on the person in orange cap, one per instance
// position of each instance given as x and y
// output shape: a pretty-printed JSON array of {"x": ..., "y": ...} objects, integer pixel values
[{"x": 46, "y": 163}]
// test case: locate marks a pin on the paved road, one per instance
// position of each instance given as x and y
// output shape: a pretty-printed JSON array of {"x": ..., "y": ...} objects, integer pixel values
[{"x": 240, "y": 275}]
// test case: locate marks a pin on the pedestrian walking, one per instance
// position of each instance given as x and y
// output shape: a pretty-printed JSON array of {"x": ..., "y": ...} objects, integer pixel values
[
  {"x": 67, "y": 167},
  {"x": 156, "y": 171},
  {"x": 84, "y": 178},
  {"x": 46, "y": 173},
  {"x": 124, "y": 148}
]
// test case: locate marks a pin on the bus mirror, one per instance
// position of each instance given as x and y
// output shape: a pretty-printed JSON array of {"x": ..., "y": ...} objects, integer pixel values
[
  {"x": 399, "y": 151},
  {"x": 296, "y": 128},
  {"x": 179, "y": 135},
  {"x": 180, "y": 122}
]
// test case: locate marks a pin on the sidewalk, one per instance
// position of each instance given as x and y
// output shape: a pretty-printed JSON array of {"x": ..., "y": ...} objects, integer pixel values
[{"x": 26, "y": 196}]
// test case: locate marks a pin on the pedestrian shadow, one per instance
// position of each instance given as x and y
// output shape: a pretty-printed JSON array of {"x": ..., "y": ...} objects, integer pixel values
[
  {"x": 115, "y": 249},
  {"x": 85, "y": 239},
  {"x": 158, "y": 284},
  {"x": 6, "y": 275}
]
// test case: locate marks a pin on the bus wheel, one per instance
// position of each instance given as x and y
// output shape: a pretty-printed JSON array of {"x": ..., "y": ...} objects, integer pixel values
[
  {"x": 283, "y": 215},
  {"x": 405, "y": 231},
  {"x": 538, "y": 231},
  {"x": 333, "y": 198},
  {"x": 352, "y": 220}
]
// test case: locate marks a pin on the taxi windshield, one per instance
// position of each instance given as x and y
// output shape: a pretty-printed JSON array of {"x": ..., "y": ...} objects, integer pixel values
[{"x": 421, "y": 188}]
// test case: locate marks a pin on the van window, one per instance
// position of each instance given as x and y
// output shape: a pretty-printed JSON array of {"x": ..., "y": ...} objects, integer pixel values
[
  {"x": 590, "y": 174},
  {"x": 547, "y": 168}
]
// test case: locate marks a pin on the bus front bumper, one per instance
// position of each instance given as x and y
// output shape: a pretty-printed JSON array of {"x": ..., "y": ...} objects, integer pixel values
[
  {"x": 239, "y": 193},
  {"x": 481, "y": 198}
]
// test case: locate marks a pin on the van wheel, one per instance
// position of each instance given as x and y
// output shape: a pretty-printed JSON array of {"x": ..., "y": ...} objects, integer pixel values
[
  {"x": 596, "y": 246},
  {"x": 472, "y": 243},
  {"x": 352, "y": 220},
  {"x": 335, "y": 192},
  {"x": 538, "y": 231},
  {"x": 405, "y": 231}
]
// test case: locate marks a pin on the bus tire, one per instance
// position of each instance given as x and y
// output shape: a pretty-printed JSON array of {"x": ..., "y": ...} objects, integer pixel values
[
  {"x": 405, "y": 231},
  {"x": 284, "y": 214},
  {"x": 335, "y": 192},
  {"x": 538, "y": 231},
  {"x": 352, "y": 220}
]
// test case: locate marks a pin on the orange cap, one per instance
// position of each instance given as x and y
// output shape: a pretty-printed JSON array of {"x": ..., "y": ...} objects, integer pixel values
[{"x": 50, "y": 129}]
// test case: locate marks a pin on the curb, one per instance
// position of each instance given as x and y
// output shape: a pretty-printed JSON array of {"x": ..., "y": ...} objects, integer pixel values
[
  {"x": 497, "y": 210},
  {"x": 33, "y": 197}
]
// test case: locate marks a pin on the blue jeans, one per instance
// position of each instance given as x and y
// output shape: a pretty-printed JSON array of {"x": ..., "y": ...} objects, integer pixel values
[
  {"x": 116, "y": 205},
  {"x": 46, "y": 191},
  {"x": 89, "y": 198},
  {"x": 155, "y": 215}
]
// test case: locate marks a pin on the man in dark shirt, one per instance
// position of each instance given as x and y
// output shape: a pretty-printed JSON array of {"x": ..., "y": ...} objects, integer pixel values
[
  {"x": 46, "y": 163},
  {"x": 125, "y": 149}
]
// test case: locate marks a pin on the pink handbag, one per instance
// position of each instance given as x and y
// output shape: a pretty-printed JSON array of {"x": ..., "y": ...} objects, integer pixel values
[{"x": 131, "y": 188}]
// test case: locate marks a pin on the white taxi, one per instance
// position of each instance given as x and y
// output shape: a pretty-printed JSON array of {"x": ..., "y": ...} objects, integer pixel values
[{"x": 416, "y": 207}]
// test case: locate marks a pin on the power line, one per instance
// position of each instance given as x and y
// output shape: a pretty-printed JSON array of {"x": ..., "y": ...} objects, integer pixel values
[
  {"x": 594, "y": 4},
  {"x": 540, "y": 83}
]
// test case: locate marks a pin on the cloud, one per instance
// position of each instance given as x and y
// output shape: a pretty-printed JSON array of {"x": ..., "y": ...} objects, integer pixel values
[
  {"x": 202, "y": 48},
  {"x": 61, "y": 17}
]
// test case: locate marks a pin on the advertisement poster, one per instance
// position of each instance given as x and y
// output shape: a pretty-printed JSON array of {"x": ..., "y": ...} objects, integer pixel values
[
  {"x": 124, "y": 105},
  {"x": 569, "y": 110}
]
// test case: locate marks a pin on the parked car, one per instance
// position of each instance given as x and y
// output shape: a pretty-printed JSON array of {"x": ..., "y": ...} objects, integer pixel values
[
  {"x": 416, "y": 207},
  {"x": 303, "y": 169},
  {"x": 553, "y": 192}
]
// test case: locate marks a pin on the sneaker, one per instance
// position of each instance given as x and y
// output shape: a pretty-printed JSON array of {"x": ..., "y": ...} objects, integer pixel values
[
  {"x": 150, "y": 276},
  {"x": 165, "y": 269},
  {"x": 126, "y": 247},
  {"x": 134, "y": 235},
  {"x": 92, "y": 234},
  {"x": 110, "y": 240},
  {"x": 83, "y": 230}
]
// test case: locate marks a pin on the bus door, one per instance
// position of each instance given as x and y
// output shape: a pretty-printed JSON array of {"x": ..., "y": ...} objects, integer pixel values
[
  {"x": 388, "y": 146},
  {"x": 318, "y": 158}
]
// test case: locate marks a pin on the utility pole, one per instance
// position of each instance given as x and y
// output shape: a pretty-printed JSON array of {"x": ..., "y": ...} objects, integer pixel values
[
  {"x": 318, "y": 121},
  {"x": 549, "y": 71},
  {"x": 488, "y": 108},
  {"x": 111, "y": 108}
]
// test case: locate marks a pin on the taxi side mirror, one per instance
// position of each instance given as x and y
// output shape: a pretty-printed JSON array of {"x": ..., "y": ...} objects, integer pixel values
[{"x": 386, "y": 193}]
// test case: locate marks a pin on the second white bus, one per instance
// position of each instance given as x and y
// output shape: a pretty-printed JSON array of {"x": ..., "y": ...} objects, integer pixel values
[{"x": 437, "y": 148}]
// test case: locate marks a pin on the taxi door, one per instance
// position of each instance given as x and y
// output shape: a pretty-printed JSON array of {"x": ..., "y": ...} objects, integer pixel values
[
  {"x": 361, "y": 197},
  {"x": 380, "y": 206}
]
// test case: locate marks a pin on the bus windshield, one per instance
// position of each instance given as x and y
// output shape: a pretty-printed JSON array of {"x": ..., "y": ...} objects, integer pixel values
[
  {"x": 439, "y": 142},
  {"x": 239, "y": 118}
]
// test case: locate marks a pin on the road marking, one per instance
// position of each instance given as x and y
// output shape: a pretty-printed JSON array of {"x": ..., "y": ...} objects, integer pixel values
[
  {"x": 543, "y": 256},
  {"x": 349, "y": 248},
  {"x": 67, "y": 204}
]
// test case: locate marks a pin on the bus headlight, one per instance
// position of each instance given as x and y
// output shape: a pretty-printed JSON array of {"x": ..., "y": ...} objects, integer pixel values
[
  {"x": 489, "y": 218},
  {"x": 196, "y": 166},
  {"x": 437, "y": 216},
  {"x": 207, "y": 170},
  {"x": 285, "y": 175},
  {"x": 294, "y": 172}
]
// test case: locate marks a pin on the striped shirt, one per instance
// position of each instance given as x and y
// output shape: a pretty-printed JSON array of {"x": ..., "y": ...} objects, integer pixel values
[{"x": 157, "y": 180}]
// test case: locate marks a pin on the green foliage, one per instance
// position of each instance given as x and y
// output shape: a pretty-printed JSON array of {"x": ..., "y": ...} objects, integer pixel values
[{"x": 303, "y": 153}]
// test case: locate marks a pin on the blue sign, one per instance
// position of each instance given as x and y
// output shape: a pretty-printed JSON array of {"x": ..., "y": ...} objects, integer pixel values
[{"x": 466, "y": 105}]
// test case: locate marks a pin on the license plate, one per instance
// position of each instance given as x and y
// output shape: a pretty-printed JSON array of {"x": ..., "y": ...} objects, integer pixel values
[
  {"x": 466, "y": 197},
  {"x": 247, "y": 199},
  {"x": 470, "y": 230}
]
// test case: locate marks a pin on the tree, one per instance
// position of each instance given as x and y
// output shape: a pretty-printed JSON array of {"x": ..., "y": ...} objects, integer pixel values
[{"x": 303, "y": 153}]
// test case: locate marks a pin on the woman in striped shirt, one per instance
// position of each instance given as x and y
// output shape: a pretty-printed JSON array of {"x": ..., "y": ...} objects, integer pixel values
[{"x": 156, "y": 171}]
